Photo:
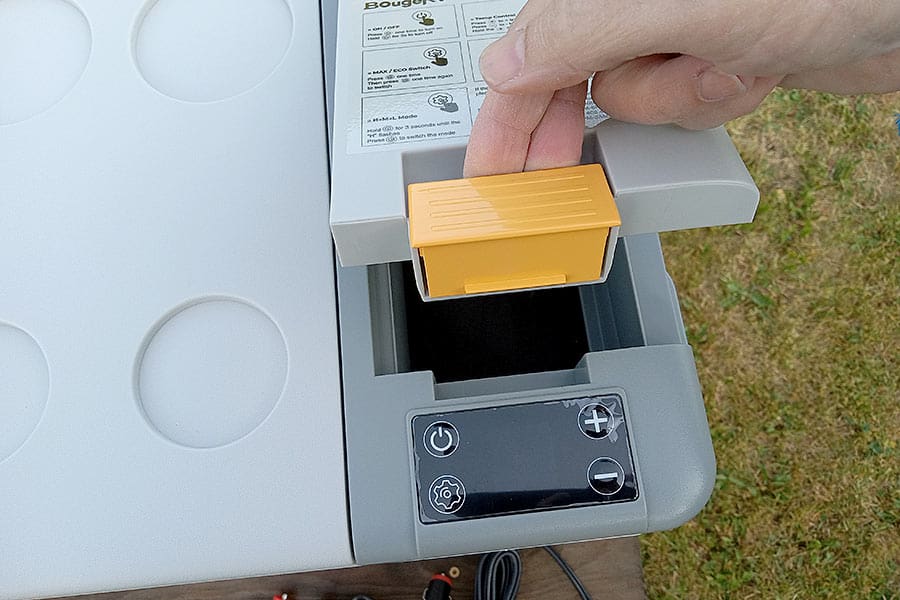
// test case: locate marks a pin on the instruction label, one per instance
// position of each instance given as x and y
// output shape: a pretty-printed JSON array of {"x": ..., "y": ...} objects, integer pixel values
[
  {"x": 476, "y": 97},
  {"x": 415, "y": 117},
  {"x": 490, "y": 18},
  {"x": 418, "y": 69},
  {"x": 413, "y": 67},
  {"x": 476, "y": 47},
  {"x": 420, "y": 25}
]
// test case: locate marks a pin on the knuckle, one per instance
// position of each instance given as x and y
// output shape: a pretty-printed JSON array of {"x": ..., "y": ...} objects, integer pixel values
[
  {"x": 631, "y": 103},
  {"x": 559, "y": 37}
]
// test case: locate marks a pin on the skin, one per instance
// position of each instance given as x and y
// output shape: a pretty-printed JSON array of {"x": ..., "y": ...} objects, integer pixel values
[{"x": 696, "y": 64}]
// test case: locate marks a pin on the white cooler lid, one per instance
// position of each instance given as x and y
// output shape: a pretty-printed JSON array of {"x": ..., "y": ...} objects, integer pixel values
[{"x": 170, "y": 405}]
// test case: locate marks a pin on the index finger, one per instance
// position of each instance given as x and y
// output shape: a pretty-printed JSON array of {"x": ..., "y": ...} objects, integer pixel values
[{"x": 502, "y": 133}]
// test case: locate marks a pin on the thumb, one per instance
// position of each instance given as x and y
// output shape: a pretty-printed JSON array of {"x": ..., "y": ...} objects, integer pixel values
[
  {"x": 554, "y": 45},
  {"x": 877, "y": 74}
]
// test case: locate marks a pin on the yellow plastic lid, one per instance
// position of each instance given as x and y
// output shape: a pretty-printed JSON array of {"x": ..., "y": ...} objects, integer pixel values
[{"x": 506, "y": 206}]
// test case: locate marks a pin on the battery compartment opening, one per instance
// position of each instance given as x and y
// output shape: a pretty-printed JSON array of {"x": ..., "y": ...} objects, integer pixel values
[{"x": 498, "y": 335}]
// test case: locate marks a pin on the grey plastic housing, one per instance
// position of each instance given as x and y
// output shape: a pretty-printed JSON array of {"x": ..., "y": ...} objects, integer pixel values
[
  {"x": 664, "y": 178},
  {"x": 651, "y": 366},
  {"x": 668, "y": 178}
]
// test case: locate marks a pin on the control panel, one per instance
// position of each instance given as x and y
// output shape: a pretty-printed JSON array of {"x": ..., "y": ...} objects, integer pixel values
[{"x": 522, "y": 458}]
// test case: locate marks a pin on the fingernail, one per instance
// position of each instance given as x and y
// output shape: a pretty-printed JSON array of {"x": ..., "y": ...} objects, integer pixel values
[
  {"x": 714, "y": 85},
  {"x": 504, "y": 60}
]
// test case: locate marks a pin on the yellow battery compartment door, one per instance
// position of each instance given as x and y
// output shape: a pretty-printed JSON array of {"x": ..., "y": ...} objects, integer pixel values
[{"x": 510, "y": 232}]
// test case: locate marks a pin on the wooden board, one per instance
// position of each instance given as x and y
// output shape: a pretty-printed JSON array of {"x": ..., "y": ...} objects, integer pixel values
[{"x": 610, "y": 570}]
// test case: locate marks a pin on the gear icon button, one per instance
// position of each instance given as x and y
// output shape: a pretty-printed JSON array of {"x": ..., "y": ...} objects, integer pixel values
[{"x": 447, "y": 494}]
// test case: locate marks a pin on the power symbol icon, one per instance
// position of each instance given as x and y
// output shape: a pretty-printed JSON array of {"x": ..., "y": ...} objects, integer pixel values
[
  {"x": 436, "y": 435},
  {"x": 441, "y": 439}
]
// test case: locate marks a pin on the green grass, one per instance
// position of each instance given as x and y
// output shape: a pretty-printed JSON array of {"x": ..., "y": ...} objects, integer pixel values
[{"x": 795, "y": 324}]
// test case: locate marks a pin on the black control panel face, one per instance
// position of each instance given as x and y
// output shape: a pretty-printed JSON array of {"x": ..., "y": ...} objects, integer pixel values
[{"x": 522, "y": 458}]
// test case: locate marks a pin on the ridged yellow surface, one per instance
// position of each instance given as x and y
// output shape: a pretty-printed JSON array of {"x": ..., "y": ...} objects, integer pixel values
[{"x": 515, "y": 231}]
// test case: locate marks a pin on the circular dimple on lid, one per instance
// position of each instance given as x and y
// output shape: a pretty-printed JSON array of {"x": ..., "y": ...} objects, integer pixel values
[
  {"x": 208, "y": 50},
  {"x": 211, "y": 373},
  {"x": 24, "y": 387},
  {"x": 44, "y": 48}
]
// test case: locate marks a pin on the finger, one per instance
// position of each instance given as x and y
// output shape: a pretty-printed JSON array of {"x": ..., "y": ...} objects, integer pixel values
[
  {"x": 502, "y": 133},
  {"x": 557, "y": 45},
  {"x": 684, "y": 90},
  {"x": 878, "y": 74},
  {"x": 557, "y": 140}
]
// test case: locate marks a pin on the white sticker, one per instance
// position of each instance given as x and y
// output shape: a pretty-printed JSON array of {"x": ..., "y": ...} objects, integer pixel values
[
  {"x": 418, "y": 68},
  {"x": 403, "y": 26},
  {"x": 476, "y": 97},
  {"x": 476, "y": 47},
  {"x": 422, "y": 116},
  {"x": 412, "y": 67},
  {"x": 490, "y": 18}
]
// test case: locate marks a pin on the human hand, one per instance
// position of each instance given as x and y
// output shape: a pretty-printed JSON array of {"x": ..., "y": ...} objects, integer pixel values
[{"x": 695, "y": 64}]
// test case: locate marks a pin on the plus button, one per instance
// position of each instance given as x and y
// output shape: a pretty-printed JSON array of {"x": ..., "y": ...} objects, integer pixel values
[{"x": 595, "y": 421}]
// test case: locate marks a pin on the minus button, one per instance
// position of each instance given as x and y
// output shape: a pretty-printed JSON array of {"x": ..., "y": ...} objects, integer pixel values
[{"x": 606, "y": 476}]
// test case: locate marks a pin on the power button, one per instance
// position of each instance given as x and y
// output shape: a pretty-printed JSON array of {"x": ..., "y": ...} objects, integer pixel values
[{"x": 441, "y": 439}]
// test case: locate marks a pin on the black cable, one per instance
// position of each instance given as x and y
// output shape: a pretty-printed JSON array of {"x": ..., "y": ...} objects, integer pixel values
[
  {"x": 498, "y": 576},
  {"x": 569, "y": 573}
]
